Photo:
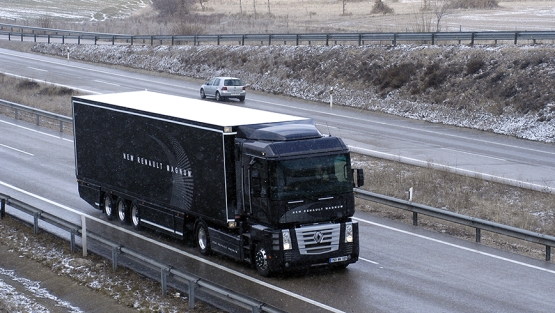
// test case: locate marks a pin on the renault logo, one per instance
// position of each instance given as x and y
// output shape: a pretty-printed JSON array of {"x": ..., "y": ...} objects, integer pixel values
[{"x": 318, "y": 237}]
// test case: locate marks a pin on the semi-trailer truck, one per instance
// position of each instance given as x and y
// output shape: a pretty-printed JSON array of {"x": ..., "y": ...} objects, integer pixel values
[{"x": 266, "y": 188}]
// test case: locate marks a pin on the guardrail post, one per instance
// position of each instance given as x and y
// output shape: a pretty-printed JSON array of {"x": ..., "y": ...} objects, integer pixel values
[
  {"x": 37, "y": 119},
  {"x": 243, "y": 40},
  {"x": 113, "y": 40},
  {"x": 472, "y": 39},
  {"x": 297, "y": 39},
  {"x": 95, "y": 39},
  {"x": 132, "y": 37},
  {"x": 433, "y": 39},
  {"x": 72, "y": 240},
  {"x": 152, "y": 40},
  {"x": 173, "y": 40},
  {"x": 414, "y": 218},
  {"x": 36, "y": 222},
  {"x": 84, "y": 234},
  {"x": 163, "y": 282},
  {"x": 35, "y": 37},
  {"x": 79, "y": 40},
  {"x": 269, "y": 40},
  {"x": 48, "y": 38},
  {"x": 192, "y": 294},
  {"x": 394, "y": 39},
  {"x": 516, "y": 37},
  {"x": 478, "y": 235},
  {"x": 115, "y": 253},
  {"x": 327, "y": 39},
  {"x": 2, "y": 208},
  {"x": 63, "y": 39},
  {"x": 547, "y": 253}
]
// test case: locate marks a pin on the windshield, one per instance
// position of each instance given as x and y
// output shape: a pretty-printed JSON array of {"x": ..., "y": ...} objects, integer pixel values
[{"x": 311, "y": 177}]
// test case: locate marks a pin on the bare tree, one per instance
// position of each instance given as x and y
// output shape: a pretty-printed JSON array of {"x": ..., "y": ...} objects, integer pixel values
[
  {"x": 380, "y": 7},
  {"x": 440, "y": 8}
]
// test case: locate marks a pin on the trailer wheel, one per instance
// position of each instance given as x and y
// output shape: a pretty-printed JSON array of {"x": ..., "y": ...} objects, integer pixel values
[
  {"x": 202, "y": 238},
  {"x": 123, "y": 211},
  {"x": 109, "y": 206},
  {"x": 135, "y": 219},
  {"x": 218, "y": 97},
  {"x": 261, "y": 260}
]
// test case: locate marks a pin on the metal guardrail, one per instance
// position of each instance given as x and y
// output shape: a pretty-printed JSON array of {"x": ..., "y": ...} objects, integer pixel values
[
  {"x": 478, "y": 224},
  {"x": 193, "y": 282},
  {"x": 18, "y": 32},
  {"x": 37, "y": 113}
]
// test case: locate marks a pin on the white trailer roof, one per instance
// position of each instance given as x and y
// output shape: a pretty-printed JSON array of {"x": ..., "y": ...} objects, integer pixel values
[{"x": 208, "y": 112}]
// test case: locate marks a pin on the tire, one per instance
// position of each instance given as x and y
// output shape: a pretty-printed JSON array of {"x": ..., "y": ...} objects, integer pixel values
[
  {"x": 135, "y": 219},
  {"x": 123, "y": 211},
  {"x": 261, "y": 261},
  {"x": 109, "y": 207},
  {"x": 241, "y": 99},
  {"x": 202, "y": 238},
  {"x": 218, "y": 96},
  {"x": 202, "y": 94}
]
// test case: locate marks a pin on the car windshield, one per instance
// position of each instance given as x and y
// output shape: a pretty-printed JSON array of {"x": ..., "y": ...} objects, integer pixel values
[
  {"x": 233, "y": 82},
  {"x": 312, "y": 177}
]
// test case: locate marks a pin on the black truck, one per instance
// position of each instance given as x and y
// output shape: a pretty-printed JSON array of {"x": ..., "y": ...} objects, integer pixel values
[{"x": 256, "y": 186}]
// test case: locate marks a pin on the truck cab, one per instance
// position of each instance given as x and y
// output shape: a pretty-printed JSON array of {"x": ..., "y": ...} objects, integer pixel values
[{"x": 297, "y": 197}]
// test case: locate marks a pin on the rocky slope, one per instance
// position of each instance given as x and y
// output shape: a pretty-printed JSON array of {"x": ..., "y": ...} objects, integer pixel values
[{"x": 505, "y": 89}]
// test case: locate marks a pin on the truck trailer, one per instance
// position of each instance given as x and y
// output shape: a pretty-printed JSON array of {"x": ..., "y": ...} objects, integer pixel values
[{"x": 266, "y": 188}]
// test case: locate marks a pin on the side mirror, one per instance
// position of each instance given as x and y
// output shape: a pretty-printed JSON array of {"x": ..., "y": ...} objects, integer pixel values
[{"x": 359, "y": 177}]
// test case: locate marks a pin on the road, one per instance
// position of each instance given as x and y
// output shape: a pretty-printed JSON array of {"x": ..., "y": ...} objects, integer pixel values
[
  {"x": 402, "y": 268},
  {"x": 479, "y": 154}
]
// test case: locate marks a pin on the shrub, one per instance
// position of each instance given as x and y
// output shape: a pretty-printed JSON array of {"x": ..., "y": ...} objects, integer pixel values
[
  {"x": 474, "y": 65},
  {"x": 381, "y": 8},
  {"x": 474, "y": 4}
]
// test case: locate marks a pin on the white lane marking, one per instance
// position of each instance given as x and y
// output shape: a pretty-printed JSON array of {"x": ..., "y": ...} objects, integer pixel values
[
  {"x": 282, "y": 105},
  {"x": 21, "y": 151},
  {"x": 458, "y": 170},
  {"x": 366, "y": 260},
  {"x": 475, "y": 154},
  {"x": 49, "y": 83},
  {"x": 220, "y": 267},
  {"x": 456, "y": 246},
  {"x": 107, "y": 83},
  {"x": 91, "y": 69},
  {"x": 37, "y": 69},
  {"x": 36, "y": 131},
  {"x": 489, "y": 142}
]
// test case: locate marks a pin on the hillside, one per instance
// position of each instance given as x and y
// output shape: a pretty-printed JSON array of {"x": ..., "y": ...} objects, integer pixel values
[{"x": 505, "y": 89}]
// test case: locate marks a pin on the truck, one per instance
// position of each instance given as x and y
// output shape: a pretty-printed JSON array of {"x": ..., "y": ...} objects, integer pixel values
[{"x": 260, "y": 187}]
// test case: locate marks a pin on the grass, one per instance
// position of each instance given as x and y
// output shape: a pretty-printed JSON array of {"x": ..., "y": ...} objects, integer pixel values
[{"x": 432, "y": 81}]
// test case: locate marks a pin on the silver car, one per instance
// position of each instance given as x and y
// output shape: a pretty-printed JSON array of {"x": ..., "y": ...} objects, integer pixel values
[{"x": 222, "y": 88}]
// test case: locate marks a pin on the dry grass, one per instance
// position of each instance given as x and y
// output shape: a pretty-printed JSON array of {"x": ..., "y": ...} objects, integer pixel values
[{"x": 517, "y": 207}]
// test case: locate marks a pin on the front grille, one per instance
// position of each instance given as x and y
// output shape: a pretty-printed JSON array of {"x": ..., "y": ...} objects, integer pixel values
[{"x": 318, "y": 239}]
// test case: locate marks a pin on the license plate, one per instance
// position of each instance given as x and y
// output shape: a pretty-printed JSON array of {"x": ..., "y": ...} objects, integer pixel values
[
  {"x": 234, "y": 94},
  {"x": 339, "y": 259}
]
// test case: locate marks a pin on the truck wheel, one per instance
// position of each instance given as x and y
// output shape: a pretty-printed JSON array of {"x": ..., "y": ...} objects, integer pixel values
[
  {"x": 261, "y": 261},
  {"x": 218, "y": 97},
  {"x": 135, "y": 219},
  {"x": 203, "y": 239},
  {"x": 123, "y": 211},
  {"x": 109, "y": 207},
  {"x": 202, "y": 94}
]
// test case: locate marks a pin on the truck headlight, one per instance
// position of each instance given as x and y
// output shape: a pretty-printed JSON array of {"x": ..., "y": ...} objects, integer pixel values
[
  {"x": 286, "y": 240},
  {"x": 349, "y": 232}
]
